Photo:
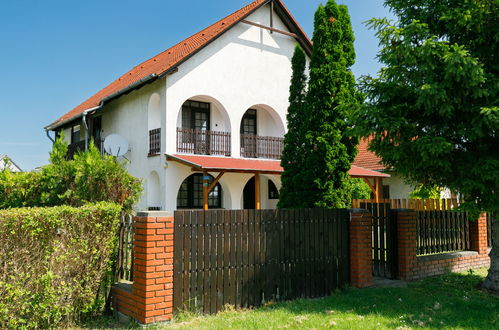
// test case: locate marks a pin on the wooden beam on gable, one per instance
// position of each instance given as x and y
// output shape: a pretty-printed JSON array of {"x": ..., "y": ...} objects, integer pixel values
[
  {"x": 272, "y": 15},
  {"x": 289, "y": 34}
]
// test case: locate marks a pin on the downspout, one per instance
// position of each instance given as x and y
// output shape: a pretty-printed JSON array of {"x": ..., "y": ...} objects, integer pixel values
[
  {"x": 84, "y": 119},
  {"x": 50, "y": 138}
]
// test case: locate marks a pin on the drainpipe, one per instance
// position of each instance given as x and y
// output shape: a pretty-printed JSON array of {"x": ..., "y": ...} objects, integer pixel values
[
  {"x": 50, "y": 138},
  {"x": 84, "y": 119}
]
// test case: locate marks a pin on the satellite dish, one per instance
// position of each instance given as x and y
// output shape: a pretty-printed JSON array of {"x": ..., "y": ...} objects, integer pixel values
[{"x": 116, "y": 145}]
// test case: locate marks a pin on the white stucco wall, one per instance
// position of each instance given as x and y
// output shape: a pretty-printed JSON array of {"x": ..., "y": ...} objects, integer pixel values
[
  {"x": 245, "y": 68},
  {"x": 398, "y": 187}
]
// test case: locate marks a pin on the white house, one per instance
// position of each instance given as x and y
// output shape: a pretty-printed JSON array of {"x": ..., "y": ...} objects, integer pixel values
[
  {"x": 205, "y": 119},
  {"x": 7, "y": 163}
]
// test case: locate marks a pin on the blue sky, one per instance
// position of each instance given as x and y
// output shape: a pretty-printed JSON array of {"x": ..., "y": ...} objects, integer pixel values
[{"x": 57, "y": 53}]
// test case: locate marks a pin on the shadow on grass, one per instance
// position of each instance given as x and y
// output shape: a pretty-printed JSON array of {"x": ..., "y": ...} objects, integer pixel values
[{"x": 452, "y": 300}]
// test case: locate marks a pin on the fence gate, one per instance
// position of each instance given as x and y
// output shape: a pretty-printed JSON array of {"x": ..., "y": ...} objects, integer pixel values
[
  {"x": 384, "y": 240},
  {"x": 245, "y": 257}
]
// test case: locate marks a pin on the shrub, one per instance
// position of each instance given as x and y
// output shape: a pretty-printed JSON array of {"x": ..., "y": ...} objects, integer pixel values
[
  {"x": 53, "y": 262},
  {"x": 89, "y": 177}
]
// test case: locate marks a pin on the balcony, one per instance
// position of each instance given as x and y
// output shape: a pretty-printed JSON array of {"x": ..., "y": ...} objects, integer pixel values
[
  {"x": 254, "y": 146},
  {"x": 76, "y": 147},
  {"x": 203, "y": 142}
]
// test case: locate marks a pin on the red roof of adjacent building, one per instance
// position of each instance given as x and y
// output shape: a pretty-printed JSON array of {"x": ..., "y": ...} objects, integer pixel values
[
  {"x": 174, "y": 56},
  {"x": 367, "y": 159},
  {"x": 216, "y": 164}
]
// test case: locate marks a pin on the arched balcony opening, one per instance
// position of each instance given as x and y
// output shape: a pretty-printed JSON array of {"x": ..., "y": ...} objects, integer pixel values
[
  {"x": 203, "y": 127},
  {"x": 262, "y": 133},
  {"x": 190, "y": 194}
]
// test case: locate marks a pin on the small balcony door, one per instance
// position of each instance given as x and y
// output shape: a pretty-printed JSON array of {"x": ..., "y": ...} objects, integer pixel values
[
  {"x": 196, "y": 116},
  {"x": 248, "y": 133}
]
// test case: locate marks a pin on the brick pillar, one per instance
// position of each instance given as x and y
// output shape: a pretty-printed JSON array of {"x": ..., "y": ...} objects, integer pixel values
[
  {"x": 360, "y": 248},
  {"x": 406, "y": 241},
  {"x": 149, "y": 299},
  {"x": 478, "y": 233}
]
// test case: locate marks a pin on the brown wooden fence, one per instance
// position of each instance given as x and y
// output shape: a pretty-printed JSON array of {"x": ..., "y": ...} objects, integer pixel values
[
  {"x": 489, "y": 229},
  {"x": 442, "y": 231},
  {"x": 245, "y": 258},
  {"x": 413, "y": 204}
]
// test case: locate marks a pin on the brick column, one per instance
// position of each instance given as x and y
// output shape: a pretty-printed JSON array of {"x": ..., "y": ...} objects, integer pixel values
[
  {"x": 406, "y": 241},
  {"x": 149, "y": 299},
  {"x": 360, "y": 248},
  {"x": 478, "y": 233}
]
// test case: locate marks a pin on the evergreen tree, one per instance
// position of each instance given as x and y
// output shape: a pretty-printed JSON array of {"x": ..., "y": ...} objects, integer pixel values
[
  {"x": 332, "y": 97},
  {"x": 292, "y": 156},
  {"x": 433, "y": 112}
]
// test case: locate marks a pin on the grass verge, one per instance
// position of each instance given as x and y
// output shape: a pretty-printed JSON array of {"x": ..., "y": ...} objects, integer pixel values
[{"x": 451, "y": 301}]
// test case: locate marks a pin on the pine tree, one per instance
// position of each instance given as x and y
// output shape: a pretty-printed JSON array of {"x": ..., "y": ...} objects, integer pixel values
[
  {"x": 292, "y": 157},
  {"x": 331, "y": 99}
]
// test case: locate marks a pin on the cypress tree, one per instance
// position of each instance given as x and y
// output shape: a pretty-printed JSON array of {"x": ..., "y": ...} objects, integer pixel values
[
  {"x": 331, "y": 99},
  {"x": 292, "y": 160}
]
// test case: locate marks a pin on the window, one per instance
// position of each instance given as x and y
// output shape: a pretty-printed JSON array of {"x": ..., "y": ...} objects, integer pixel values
[
  {"x": 248, "y": 124},
  {"x": 75, "y": 134},
  {"x": 196, "y": 115},
  {"x": 273, "y": 192},
  {"x": 190, "y": 195}
]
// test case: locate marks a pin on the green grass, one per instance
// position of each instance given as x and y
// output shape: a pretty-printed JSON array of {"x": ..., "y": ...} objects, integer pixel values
[{"x": 449, "y": 301}]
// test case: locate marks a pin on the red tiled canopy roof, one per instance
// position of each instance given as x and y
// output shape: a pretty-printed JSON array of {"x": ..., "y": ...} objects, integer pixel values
[
  {"x": 216, "y": 164},
  {"x": 366, "y": 158},
  {"x": 171, "y": 58}
]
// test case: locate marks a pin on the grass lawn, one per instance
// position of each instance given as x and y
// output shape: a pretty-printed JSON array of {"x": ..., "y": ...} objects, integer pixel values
[{"x": 450, "y": 301}]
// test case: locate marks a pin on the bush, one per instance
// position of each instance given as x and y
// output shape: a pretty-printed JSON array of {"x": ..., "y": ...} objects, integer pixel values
[
  {"x": 53, "y": 262},
  {"x": 90, "y": 177}
]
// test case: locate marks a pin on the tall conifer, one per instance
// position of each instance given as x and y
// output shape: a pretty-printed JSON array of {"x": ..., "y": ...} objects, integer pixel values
[
  {"x": 331, "y": 99},
  {"x": 292, "y": 157}
]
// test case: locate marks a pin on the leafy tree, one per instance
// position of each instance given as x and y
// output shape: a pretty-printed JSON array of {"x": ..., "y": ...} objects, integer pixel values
[
  {"x": 292, "y": 159},
  {"x": 88, "y": 178},
  {"x": 426, "y": 192},
  {"x": 360, "y": 189},
  {"x": 331, "y": 98},
  {"x": 433, "y": 111}
]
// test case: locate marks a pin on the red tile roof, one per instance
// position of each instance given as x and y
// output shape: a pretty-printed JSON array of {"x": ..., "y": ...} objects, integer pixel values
[
  {"x": 170, "y": 58},
  {"x": 258, "y": 165},
  {"x": 366, "y": 158}
]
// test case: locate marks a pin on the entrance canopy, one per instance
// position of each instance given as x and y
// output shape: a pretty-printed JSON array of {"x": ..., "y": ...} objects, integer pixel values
[
  {"x": 224, "y": 165},
  {"x": 238, "y": 165}
]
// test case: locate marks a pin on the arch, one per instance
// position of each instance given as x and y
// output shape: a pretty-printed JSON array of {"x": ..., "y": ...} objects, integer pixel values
[
  {"x": 269, "y": 122},
  {"x": 153, "y": 191},
  {"x": 154, "y": 112},
  {"x": 220, "y": 119},
  {"x": 190, "y": 193}
]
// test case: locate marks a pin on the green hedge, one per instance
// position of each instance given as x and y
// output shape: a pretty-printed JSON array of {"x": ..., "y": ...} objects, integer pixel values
[{"x": 53, "y": 262}]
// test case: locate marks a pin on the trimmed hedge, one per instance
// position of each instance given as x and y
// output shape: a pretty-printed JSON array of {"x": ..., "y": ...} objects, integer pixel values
[{"x": 53, "y": 262}]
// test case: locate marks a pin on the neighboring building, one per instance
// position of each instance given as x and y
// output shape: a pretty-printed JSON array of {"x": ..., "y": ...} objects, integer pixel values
[
  {"x": 7, "y": 162},
  {"x": 205, "y": 119},
  {"x": 393, "y": 187}
]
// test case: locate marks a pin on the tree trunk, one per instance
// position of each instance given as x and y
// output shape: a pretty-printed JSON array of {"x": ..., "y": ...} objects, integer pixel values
[{"x": 492, "y": 280}]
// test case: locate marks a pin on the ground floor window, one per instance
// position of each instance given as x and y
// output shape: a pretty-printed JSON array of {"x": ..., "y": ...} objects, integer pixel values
[{"x": 190, "y": 195}]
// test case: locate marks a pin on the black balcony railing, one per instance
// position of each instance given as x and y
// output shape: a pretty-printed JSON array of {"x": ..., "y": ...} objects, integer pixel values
[
  {"x": 76, "y": 147},
  {"x": 254, "y": 146},
  {"x": 155, "y": 141},
  {"x": 202, "y": 142}
]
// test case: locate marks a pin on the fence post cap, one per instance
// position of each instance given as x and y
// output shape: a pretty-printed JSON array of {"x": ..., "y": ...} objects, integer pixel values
[{"x": 155, "y": 214}]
